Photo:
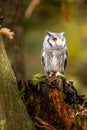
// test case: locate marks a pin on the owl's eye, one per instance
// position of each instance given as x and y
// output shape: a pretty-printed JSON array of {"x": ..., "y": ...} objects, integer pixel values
[{"x": 54, "y": 38}]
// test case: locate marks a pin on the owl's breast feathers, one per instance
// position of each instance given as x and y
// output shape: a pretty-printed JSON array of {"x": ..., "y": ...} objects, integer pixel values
[{"x": 54, "y": 59}]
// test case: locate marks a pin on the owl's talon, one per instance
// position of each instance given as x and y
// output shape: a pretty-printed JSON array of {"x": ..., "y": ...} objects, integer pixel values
[
  {"x": 51, "y": 74},
  {"x": 58, "y": 74}
]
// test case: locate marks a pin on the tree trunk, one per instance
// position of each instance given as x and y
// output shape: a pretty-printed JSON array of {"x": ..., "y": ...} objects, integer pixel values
[
  {"x": 13, "y": 114},
  {"x": 13, "y": 13}
]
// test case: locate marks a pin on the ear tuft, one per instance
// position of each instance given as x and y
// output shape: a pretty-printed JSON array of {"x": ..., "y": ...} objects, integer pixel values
[
  {"x": 63, "y": 34},
  {"x": 49, "y": 33}
]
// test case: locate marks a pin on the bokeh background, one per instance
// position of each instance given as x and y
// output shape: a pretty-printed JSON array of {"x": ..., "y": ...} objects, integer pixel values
[{"x": 69, "y": 16}]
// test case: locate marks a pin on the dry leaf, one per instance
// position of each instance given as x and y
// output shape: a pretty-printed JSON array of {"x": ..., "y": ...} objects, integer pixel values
[
  {"x": 64, "y": 11},
  {"x": 7, "y": 32}
]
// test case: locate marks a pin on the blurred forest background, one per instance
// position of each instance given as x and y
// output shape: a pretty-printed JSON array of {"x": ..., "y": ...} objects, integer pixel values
[
  {"x": 69, "y": 16},
  {"x": 36, "y": 17}
]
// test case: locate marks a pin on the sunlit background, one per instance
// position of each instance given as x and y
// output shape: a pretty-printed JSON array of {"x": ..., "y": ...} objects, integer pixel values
[{"x": 69, "y": 16}]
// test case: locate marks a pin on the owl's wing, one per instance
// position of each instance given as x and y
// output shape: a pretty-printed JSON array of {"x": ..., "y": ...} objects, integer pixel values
[
  {"x": 43, "y": 57},
  {"x": 65, "y": 58}
]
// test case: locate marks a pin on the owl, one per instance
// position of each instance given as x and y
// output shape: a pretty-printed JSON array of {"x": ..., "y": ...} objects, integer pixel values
[{"x": 54, "y": 54}]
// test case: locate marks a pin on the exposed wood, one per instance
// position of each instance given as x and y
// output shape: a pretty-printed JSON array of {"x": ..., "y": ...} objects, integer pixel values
[{"x": 61, "y": 107}]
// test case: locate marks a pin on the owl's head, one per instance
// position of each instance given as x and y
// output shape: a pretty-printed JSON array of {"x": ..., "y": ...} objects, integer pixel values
[{"x": 55, "y": 39}]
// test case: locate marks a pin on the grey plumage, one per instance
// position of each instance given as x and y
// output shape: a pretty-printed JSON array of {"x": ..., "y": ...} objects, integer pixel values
[{"x": 54, "y": 53}]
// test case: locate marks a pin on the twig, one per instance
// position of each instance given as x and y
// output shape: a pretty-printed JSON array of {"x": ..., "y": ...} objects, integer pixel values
[
  {"x": 41, "y": 124},
  {"x": 31, "y": 8}
]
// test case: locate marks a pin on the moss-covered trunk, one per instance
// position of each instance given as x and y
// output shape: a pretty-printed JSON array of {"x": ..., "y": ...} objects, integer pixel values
[{"x": 13, "y": 114}]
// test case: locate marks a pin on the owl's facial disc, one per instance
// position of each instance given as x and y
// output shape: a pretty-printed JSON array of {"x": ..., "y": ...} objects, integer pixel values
[
  {"x": 56, "y": 39},
  {"x": 52, "y": 41},
  {"x": 60, "y": 41},
  {"x": 57, "y": 42}
]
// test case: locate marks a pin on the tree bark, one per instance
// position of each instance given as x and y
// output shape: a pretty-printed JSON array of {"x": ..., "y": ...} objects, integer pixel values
[
  {"x": 13, "y": 13},
  {"x": 13, "y": 114}
]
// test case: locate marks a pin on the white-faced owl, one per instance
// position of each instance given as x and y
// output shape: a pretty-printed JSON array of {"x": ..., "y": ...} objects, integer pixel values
[{"x": 54, "y": 53}]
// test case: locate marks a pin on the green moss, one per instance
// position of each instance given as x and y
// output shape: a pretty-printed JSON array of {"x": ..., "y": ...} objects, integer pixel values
[
  {"x": 2, "y": 124},
  {"x": 78, "y": 122},
  {"x": 85, "y": 98},
  {"x": 75, "y": 106},
  {"x": 39, "y": 78},
  {"x": 22, "y": 91}
]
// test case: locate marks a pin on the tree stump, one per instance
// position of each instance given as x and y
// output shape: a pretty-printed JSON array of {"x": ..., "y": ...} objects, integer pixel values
[{"x": 53, "y": 103}]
